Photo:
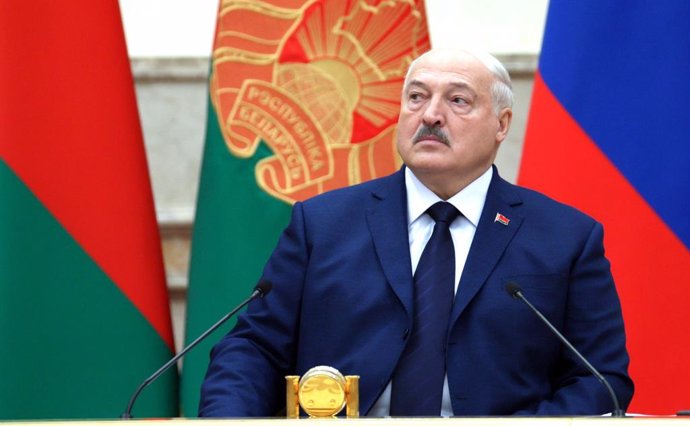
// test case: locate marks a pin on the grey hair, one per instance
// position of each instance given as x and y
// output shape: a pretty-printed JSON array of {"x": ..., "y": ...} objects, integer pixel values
[{"x": 501, "y": 89}]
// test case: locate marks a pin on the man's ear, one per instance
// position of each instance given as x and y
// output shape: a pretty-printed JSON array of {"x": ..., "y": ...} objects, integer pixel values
[{"x": 505, "y": 117}]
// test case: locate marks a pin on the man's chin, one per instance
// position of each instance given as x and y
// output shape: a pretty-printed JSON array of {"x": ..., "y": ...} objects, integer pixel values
[{"x": 428, "y": 166}]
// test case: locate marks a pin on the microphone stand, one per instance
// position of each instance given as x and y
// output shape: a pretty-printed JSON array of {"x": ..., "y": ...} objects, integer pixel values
[
  {"x": 514, "y": 290},
  {"x": 259, "y": 291}
]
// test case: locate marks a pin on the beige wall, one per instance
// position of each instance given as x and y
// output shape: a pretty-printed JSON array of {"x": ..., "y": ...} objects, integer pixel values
[{"x": 184, "y": 28}]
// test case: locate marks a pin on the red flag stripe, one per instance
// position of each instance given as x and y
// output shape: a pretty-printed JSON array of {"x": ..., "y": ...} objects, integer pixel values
[{"x": 73, "y": 137}]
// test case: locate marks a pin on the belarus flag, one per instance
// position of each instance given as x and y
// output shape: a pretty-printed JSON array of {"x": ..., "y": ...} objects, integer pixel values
[
  {"x": 84, "y": 314},
  {"x": 609, "y": 132}
]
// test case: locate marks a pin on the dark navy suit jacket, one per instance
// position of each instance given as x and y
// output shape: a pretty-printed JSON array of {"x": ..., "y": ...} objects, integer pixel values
[{"x": 342, "y": 296}]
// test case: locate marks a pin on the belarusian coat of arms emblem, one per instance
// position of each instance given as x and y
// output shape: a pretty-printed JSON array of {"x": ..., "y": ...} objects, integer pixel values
[{"x": 319, "y": 81}]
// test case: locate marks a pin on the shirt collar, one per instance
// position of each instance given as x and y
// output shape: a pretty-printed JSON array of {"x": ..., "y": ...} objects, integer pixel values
[{"x": 470, "y": 200}]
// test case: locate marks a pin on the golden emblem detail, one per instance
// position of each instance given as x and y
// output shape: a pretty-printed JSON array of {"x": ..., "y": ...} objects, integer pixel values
[
  {"x": 318, "y": 81},
  {"x": 322, "y": 392}
]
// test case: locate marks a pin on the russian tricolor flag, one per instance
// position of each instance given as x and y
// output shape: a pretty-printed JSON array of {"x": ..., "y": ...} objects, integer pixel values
[{"x": 609, "y": 132}]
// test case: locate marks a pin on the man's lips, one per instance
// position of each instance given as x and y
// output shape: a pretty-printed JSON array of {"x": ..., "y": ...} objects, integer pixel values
[{"x": 431, "y": 139}]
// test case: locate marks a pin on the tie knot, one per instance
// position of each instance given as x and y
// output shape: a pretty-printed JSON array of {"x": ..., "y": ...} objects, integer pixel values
[{"x": 443, "y": 212}]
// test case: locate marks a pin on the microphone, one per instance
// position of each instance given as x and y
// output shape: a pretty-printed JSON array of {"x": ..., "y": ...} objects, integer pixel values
[
  {"x": 515, "y": 291},
  {"x": 261, "y": 290}
]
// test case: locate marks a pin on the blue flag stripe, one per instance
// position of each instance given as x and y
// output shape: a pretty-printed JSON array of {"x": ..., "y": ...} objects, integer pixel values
[{"x": 629, "y": 89}]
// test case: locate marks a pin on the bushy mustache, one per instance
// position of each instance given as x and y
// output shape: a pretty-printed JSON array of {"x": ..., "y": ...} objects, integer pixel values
[{"x": 426, "y": 131}]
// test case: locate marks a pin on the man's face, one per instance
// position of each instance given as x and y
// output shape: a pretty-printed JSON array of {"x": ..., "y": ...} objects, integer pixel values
[{"x": 448, "y": 131}]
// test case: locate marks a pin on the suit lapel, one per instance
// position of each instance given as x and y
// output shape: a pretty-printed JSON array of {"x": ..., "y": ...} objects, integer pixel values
[
  {"x": 387, "y": 220},
  {"x": 490, "y": 241}
]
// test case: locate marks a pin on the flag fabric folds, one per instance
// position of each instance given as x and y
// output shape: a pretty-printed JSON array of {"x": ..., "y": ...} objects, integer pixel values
[
  {"x": 607, "y": 133},
  {"x": 304, "y": 97},
  {"x": 84, "y": 310}
]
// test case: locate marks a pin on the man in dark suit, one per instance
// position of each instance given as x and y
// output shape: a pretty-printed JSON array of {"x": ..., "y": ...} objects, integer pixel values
[{"x": 345, "y": 282}]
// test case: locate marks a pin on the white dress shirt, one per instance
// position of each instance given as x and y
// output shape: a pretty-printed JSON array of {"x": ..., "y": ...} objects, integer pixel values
[{"x": 470, "y": 202}]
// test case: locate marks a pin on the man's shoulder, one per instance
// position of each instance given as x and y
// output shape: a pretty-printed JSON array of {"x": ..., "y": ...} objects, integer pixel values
[
  {"x": 535, "y": 203},
  {"x": 378, "y": 187}
]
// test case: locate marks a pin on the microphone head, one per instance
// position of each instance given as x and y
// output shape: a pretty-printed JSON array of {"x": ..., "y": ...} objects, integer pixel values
[
  {"x": 264, "y": 287},
  {"x": 513, "y": 289}
]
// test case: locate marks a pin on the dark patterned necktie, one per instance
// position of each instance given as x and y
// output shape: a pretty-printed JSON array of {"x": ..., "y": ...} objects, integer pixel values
[{"x": 417, "y": 386}]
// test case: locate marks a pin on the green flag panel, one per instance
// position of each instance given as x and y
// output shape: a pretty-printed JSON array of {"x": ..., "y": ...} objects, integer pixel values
[
  {"x": 231, "y": 211},
  {"x": 73, "y": 346}
]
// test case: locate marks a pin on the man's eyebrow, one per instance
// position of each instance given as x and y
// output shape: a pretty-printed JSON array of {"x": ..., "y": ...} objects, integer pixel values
[
  {"x": 454, "y": 84},
  {"x": 416, "y": 83}
]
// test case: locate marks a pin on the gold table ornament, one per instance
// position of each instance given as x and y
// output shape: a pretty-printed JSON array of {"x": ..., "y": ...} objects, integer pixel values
[{"x": 322, "y": 392}]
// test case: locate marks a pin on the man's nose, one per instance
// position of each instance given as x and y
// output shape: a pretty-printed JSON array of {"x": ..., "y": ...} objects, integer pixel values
[{"x": 434, "y": 114}]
